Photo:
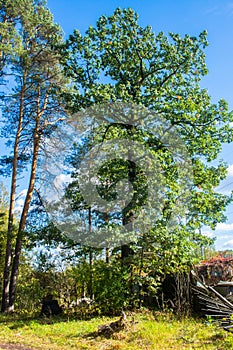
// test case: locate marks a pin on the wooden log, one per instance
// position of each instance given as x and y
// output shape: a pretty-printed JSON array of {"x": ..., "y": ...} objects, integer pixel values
[{"x": 221, "y": 297}]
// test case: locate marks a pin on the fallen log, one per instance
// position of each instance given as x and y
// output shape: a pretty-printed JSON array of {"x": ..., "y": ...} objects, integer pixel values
[{"x": 116, "y": 326}]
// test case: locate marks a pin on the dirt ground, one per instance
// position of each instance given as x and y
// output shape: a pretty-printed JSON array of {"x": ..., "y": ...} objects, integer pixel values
[{"x": 11, "y": 346}]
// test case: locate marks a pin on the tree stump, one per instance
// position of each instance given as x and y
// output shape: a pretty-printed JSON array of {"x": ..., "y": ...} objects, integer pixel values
[{"x": 50, "y": 306}]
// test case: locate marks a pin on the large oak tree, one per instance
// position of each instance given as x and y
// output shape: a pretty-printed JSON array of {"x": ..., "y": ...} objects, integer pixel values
[{"x": 118, "y": 60}]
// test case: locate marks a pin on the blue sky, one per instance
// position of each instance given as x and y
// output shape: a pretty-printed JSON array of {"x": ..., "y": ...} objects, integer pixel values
[{"x": 192, "y": 17}]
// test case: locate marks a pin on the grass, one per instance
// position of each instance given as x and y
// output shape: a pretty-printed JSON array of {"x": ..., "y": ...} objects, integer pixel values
[{"x": 149, "y": 331}]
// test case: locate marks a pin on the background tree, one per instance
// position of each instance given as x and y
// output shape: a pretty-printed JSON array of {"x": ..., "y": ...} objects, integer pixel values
[{"x": 10, "y": 40}]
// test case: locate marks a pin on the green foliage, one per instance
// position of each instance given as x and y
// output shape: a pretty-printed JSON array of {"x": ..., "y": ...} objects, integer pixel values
[
  {"x": 159, "y": 72},
  {"x": 111, "y": 287},
  {"x": 29, "y": 290}
]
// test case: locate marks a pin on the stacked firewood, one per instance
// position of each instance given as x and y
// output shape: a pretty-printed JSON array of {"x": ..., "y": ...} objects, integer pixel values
[{"x": 214, "y": 305}]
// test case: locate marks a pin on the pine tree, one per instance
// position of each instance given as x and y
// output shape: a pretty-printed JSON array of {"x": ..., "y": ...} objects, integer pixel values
[{"x": 31, "y": 110}]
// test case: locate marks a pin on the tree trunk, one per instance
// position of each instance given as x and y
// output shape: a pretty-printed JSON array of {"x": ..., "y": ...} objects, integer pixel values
[
  {"x": 140, "y": 275},
  {"x": 90, "y": 289},
  {"x": 107, "y": 256},
  {"x": 128, "y": 212},
  {"x": 8, "y": 254},
  {"x": 18, "y": 245},
  {"x": 22, "y": 224},
  {"x": 107, "y": 250}
]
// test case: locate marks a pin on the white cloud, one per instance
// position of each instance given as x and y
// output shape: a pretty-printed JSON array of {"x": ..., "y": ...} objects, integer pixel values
[
  {"x": 228, "y": 244},
  {"x": 56, "y": 190},
  {"x": 221, "y": 10},
  {"x": 19, "y": 202},
  {"x": 225, "y": 192},
  {"x": 62, "y": 180},
  {"x": 209, "y": 234},
  {"x": 214, "y": 10},
  {"x": 226, "y": 186},
  {"x": 225, "y": 236},
  {"x": 224, "y": 227},
  {"x": 230, "y": 170}
]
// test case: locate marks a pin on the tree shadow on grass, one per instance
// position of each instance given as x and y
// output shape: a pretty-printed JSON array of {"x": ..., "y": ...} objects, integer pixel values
[{"x": 17, "y": 321}]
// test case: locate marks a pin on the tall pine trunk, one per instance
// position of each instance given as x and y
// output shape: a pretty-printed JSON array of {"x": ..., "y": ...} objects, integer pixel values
[
  {"x": 5, "y": 307},
  {"x": 27, "y": 202},
  {"x": 18, "y": 245}
]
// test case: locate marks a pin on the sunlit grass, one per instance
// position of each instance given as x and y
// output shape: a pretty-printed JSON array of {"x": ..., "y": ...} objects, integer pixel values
[{"x": 150, "y": 331}]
